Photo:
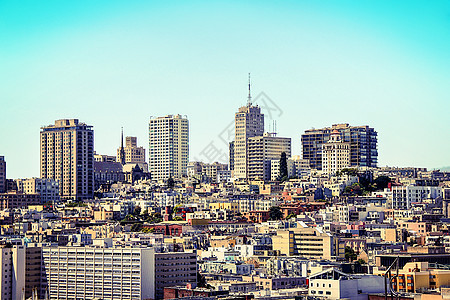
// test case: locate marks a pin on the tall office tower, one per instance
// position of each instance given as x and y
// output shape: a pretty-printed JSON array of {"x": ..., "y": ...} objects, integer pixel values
[
  {"x": 362, "y": 139},
  {"x": 261, "y": 150},
  {"x": 249, "y": 122},
  {"x": 2, "y": 174},
  {"x": 67, "y": 156},
  {"x": 131, "y": 153},
  {"x": 168, "y": 146},
  {"x": 335, "y": 154}
]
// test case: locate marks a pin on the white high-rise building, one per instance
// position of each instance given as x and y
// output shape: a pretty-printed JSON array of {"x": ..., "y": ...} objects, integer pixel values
[
  {"x": 99, "y": 273},
  {"x": 335, "y": 154},
  {"x": 67, "y": 156},
  {"x": 249, "y": 122},
  {"x": 168, "y": 146}
]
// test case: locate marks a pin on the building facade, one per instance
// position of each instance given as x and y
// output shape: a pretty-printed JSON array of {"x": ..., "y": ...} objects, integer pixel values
[
  {"x": 99, "y": 273},
  {"x": 2, "y": 174},
  {"x": 362, "y": 139},
  {"x": 67, "y": 156},
  {"x": 47, "y": 188},
  {"x": 261, "y": 150},
  {"x": 335, "y": 154},
  {"x": 132, "y": 153},
  {"x": 249, "y": 122},
  {"x": 168, "y": 146}
]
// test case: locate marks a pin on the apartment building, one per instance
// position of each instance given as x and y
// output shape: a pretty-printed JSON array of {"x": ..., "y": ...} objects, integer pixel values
[
  {"x": 404, "y": 196},
  {"x": 363, "y": 144},
  {"x": 15, "y": 199},
  {"x": 261, "y": 150},
  {"x": 2, "y": 174},
  {"x": 168, "y": 146},
  {"x": 67, "y": 156},
  {"x": 304, "y": 241},
  {"x": 213, "y": 173},
  {"x": 47, "y": 188},
  {"x": 249, "y": 122},
  {"x": 99, "y": 273}
]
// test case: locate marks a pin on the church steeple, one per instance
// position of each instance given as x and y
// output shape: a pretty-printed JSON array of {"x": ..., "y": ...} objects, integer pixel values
[
  {"x": 249, "y": 100},
  {"x": 122, "y": 151}
]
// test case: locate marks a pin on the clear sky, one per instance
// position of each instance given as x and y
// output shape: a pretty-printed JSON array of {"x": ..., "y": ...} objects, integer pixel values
[{"x": 116, "y": 63}]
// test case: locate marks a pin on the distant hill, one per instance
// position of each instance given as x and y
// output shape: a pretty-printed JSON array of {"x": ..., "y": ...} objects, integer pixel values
[{"x": 444, "y": 169}]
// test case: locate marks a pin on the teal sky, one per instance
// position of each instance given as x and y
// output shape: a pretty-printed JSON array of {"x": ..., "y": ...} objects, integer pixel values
[{"x": 116, "y": 63}]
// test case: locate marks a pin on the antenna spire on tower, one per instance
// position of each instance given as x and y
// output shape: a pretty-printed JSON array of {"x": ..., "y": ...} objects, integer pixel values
[{"x": 249, "y": 101}]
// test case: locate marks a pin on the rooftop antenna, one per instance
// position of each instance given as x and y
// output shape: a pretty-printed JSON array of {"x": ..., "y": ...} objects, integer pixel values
[{"x": 249, "y": 101}]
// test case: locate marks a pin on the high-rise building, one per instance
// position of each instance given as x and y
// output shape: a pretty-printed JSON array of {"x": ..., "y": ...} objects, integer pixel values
[
  {"x": 2, "y": 174},
  {"x": 168, "y": 146},
  {"x": 261, "y": 150},
  {"x": 67, "y": 156},
  {"x": 362, "y": 140},
  {"x": 249, "y": 122},
  {"x": 335, "y": 154}
]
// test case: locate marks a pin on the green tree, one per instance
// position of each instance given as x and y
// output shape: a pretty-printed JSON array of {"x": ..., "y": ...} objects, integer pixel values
[
  {"x": 382, "y": 182},
  {"x": 361, "y": 261},
  {"x": 283, "y": 176},
  {"x": 350, "y": 254},
  {"x": 275, "y": 213}
]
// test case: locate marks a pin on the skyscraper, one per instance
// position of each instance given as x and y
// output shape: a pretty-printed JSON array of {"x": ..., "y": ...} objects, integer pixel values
[
  {"x": 67, "y": 156},
  {"x": 2, "y": 174},
  {"x": 168, "y": 146},
  {"x": 362, "y": 139},
  {"x": 249, "y": 122}
]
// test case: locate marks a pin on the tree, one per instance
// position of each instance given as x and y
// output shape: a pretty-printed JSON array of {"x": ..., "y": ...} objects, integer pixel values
[
  {"x": 170, "y": 183},
  {"x": 275, "y": 213},
  {"x": 382, "y": 182},
  {"x": 137, "y": 211},
  {"x": 361, "y": 261},
  {"x": 350, "y": 254},
  {"x": 283, "y": 167}
]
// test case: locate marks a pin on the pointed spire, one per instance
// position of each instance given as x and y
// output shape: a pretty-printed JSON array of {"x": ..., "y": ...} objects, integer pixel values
[
  {"x": 122, "y": 151},
  {"x": 249, "y": 101}
]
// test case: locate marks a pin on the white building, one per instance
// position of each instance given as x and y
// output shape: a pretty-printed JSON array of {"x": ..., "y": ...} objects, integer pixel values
[
  {"x": 334, "y": 284},
  {"x": 404, "y": 196},
  {"x": 103, "y": 273},
  {"x": 168, "y": 146},
  {"x": 335, "y": 154}
]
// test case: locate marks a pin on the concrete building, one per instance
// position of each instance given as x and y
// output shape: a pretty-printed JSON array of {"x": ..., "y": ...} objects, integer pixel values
[
  {"x": 168, "y": 146},
  {"x": 214, "y": 173},
  {"x": 362, "y": 139},
  {"x": 334, "y": 284},
  {"x": 2, "y": 174},
  {"x": 304, "y": 241},
  {"x": 67, "y": 156},
  {"x": 104, "y": 158},
  {"x": 131, "y": 152},
  {"x": 261, "y": 150},
  {"x": 249, "y": 122},
  {"x": 47, "y": 188},
  {"x": 404, "y": 196},
  {"x": 99, "y": 273},
  {"x": 15, "y": 199},
  {"x": 335, "y": 154}
]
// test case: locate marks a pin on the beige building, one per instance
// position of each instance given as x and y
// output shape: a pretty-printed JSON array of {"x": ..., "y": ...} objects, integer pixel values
[
  {"x": 261, "y": 150},
  {"x": 249, "y": 122},
  {"x": 67, "y": 156},
  {"x": 335, "y": 154},
  {"x": 131, "y": 152},
  {"x": 304, "y": 241},
  {"x": 168, "y": 146}
]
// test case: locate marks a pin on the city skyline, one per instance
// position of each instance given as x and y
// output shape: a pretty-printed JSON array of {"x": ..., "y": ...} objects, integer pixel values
[{"x": 383, "y": 65}]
